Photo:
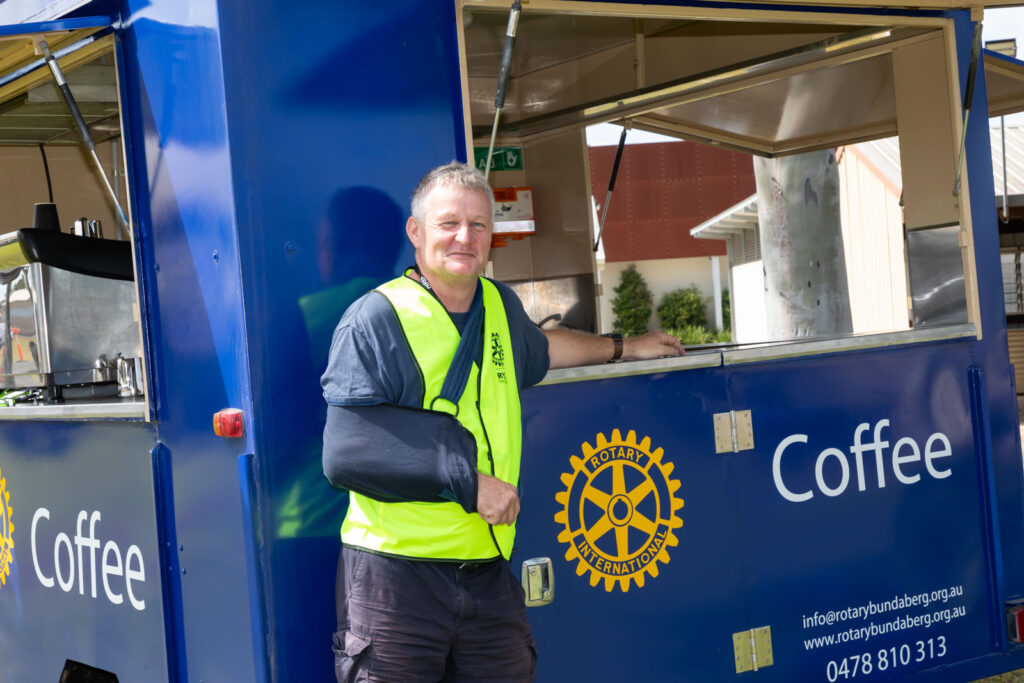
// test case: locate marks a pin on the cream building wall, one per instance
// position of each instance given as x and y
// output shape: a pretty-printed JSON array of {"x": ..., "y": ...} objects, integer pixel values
[
  {"x": 872, "y": 221},
  {"x": 749, "y": 314},
  {"x": 662, "y": 276}
]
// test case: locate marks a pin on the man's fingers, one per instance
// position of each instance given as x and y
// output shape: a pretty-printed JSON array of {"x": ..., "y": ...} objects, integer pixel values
[
  {"x": 675, "y": 344},
  {"x": 513, "y": 512},
  {"x": 655, "y": 345},
  {"x": 506, "y": 515},
  {"x": 497, "y": 501}
]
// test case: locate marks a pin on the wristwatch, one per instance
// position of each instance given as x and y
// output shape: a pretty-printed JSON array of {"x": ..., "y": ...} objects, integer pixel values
[{"x": 617, "y": 338}]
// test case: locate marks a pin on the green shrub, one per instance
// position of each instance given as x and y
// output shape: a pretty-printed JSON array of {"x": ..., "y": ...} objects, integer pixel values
[
  {"x": 696, "y": 335},
  {"x": 682, "y": 308},
  {"x": 632, "y": 303},
  {"x": 726, "y": 312},
  {"x": 692, "y": 335}
]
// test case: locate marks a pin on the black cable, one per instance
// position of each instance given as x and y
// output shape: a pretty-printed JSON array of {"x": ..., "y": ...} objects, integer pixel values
[{"x": 46, "y": 168}]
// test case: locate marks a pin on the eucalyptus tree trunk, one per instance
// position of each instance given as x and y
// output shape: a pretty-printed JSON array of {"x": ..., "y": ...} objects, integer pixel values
[{"x": 806, "y": 294}]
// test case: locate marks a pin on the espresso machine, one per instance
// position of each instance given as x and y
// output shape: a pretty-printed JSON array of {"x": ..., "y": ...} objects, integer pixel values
[{"x": 68, "y": 321}]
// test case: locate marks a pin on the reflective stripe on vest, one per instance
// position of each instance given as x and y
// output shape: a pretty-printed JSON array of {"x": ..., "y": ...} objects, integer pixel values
[{"x": 445, "y": 530}]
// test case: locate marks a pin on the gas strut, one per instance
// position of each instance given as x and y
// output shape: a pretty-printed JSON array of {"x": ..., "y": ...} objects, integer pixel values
[
  {"x": 972, "y": 73},
  {"x": 83, "y": 130},
  {"x": 506, "y": 66},
  {"x": 611, "y": 184}
]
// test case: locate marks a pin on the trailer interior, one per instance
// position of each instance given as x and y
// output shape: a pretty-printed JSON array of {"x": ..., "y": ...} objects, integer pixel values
[
  {"x": 764, "y": 87},
  {"x": 70, "y": 332}
]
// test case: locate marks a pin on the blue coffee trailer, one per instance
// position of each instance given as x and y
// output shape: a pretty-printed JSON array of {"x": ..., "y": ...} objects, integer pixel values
[{"x": 193, "y": 192}]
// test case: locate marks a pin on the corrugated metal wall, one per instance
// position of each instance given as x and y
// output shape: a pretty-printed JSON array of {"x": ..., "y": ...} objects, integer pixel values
[{"x": 663, "y": 190}]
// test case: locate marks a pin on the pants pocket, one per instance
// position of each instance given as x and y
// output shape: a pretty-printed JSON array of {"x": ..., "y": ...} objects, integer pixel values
[{"x": 351, "y": 660}]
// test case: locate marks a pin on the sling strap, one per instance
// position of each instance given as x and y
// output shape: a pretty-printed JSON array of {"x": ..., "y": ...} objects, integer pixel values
[{"x": 470, "y": 347}]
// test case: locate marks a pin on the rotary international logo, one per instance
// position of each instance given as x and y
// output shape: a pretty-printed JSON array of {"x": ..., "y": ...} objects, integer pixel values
[
  {"x": 619, "y": 510},
  {"x": 6, "y": 532}
]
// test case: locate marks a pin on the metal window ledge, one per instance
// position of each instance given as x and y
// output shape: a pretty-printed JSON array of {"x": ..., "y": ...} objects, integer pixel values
[
  {"x": 760, "y": 352},
  {"x": 699, "y": 359},
  {"x": 814, "y": 347},
  {"x": 111, "y": 410}
]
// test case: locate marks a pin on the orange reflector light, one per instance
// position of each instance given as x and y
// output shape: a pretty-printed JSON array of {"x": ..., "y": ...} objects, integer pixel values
[
  {"x": 1015, "y": 622},
  {"x": 228, "y": 423}
]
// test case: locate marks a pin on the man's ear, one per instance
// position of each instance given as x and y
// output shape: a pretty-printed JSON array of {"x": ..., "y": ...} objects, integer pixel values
[{"x": 414, "y": 230}]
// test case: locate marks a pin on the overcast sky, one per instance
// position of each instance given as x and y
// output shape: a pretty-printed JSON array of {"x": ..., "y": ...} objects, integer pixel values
[
  {"x": 998, "y": 24},
  {"x": 1004, "y": 23}
]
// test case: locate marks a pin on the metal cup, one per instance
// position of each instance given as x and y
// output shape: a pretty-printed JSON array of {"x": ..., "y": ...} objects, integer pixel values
[{"x": 127, "y": 385}]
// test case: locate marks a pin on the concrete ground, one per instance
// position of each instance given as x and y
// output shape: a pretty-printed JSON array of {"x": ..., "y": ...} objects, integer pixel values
[{"x": 1011, "y": 677}]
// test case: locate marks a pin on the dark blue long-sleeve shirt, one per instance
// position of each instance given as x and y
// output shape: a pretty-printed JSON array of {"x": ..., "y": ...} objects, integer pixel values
[{"x": 378, "y": 440}]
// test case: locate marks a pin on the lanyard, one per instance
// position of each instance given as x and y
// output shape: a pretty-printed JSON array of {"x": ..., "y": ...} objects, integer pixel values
[{"x": 470, "y": 347}]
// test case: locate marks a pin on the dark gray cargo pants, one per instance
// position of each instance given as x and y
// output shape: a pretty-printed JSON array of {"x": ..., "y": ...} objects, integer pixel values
[{"x": 411, "y": 620}]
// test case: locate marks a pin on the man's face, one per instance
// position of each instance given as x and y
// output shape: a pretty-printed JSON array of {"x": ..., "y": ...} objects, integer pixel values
[{"x": 455, "y": 239}]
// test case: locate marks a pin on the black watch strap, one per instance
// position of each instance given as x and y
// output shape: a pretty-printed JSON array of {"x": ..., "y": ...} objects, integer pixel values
[{"x": 617, "y": 338}]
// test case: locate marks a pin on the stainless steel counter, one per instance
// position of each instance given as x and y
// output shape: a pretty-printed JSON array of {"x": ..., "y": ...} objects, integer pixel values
[
  {"x": 760, "y": 352},
  {"x": 113, "y": 409}
]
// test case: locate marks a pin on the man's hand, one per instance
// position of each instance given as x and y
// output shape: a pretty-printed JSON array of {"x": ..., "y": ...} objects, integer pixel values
[
  {"x": 496, "y": 501},
  {"x": 651, "y": 345}
]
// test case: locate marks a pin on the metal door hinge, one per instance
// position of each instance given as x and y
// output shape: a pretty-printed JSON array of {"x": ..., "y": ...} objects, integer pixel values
[
  {"x": 734, "y": 431},
  {"x": 753, "y": 649}
]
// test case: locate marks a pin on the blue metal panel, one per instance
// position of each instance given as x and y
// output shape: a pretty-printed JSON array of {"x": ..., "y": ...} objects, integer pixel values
[
  {"x": 186, "y": 237},
  {"x": 748, "y": 557},
  {"x": 248, "y": 479},
  {"x": 82, "y": 503},
  {"x": 989, "y": 508},
  {"x": 330, "y": 128},
  {"x": 878, "y": 539},
  {"x": 991, "y": 353},
  {"x": 174, "y": 624},
  {"x": 679, "y": 624},
  {"x": 57, "y": 25}
]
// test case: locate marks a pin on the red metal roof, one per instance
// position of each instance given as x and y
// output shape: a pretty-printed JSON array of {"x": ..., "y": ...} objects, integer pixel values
[{"x": 662, "y": 191}]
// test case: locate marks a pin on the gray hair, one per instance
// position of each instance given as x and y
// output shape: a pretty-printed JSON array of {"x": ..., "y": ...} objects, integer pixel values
[{"x": 453, "y": 174}]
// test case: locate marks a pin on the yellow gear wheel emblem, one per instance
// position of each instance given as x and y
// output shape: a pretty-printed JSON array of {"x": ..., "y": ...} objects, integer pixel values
[
  {"x": 619, "y": 510},
  {"x": 6, "y": 532}
]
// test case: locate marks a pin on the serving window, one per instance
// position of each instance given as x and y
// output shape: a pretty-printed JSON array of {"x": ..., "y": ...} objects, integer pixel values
[
  {"x": 797, "y": 92},
  {"x": 70, "y": 333}
]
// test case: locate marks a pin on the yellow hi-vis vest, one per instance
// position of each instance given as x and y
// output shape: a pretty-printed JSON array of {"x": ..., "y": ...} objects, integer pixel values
[{"x": 489, "y": 409}]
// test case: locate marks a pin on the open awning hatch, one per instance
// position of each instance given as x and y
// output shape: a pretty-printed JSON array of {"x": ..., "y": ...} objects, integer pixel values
[
  {"x": 766, "y": 88},
  {"x": 1004, "y": 78},
  {"x": 31, "y": 108}
]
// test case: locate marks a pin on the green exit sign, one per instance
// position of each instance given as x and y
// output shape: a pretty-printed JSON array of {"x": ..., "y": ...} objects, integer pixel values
[{"x": 504, "y": 158}]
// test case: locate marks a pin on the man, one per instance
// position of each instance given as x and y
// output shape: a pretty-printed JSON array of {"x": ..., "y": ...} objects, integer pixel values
[{"x": 424, "y": 430}]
